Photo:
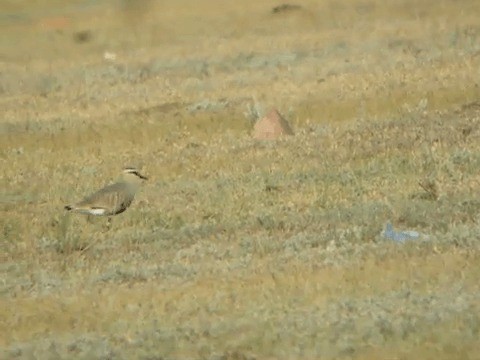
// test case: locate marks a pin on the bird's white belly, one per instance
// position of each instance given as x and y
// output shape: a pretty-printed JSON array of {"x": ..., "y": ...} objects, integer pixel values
[{"x": 96, "y": 211}]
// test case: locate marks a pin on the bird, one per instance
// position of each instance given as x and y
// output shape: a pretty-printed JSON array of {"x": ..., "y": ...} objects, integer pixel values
[{"x": 113, "y": 199}]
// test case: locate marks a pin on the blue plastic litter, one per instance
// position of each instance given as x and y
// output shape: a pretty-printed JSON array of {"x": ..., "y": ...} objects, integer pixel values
[{"x": 399, "y": 236}]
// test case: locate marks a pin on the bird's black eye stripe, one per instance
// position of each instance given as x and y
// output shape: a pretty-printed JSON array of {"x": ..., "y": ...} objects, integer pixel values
[
  {"x": 134, "y": 172},
  {"x": 139, "y": 175}
]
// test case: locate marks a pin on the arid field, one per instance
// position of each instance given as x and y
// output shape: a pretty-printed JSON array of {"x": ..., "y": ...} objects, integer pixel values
[{"x": 237, "y": 248}]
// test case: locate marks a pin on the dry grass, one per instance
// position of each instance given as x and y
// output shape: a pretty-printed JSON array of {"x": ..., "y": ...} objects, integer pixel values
[{"x": 237, "y": 249}]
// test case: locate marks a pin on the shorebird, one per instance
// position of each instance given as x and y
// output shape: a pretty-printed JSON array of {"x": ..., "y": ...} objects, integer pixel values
[{"x": 112, "y": 199}]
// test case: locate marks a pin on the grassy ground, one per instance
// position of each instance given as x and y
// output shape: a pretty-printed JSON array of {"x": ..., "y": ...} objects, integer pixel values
[{"x": 237, "y": 249}]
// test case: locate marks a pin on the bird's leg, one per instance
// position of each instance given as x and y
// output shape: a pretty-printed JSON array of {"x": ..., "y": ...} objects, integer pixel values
[{"x": 109, "y": 223}]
